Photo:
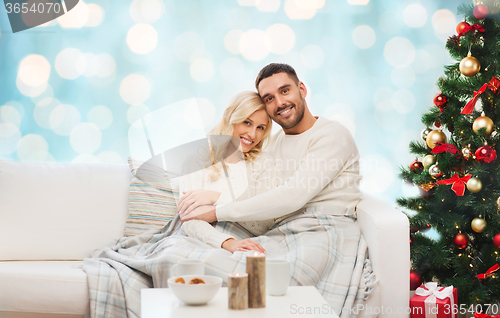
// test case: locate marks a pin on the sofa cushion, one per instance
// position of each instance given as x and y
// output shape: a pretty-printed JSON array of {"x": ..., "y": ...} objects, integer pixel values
[
  {"x": 152, "y": 200},
  {"x": 43, "y": 287},
  {"x": 60, "y": 211}
]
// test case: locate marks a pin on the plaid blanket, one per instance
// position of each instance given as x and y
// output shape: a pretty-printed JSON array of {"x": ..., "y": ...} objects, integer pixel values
[{"x": 324, "y": 246}]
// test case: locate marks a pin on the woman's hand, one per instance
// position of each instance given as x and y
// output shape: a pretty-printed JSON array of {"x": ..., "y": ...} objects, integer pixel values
[
  {"x": 242, "y": 245},
  {"x": 194, "y": 198}
]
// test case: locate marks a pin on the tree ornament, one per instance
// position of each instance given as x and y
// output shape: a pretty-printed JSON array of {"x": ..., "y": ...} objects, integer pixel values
[
  {"x": 425, "y": 132},
  {"x": 428, "y": 161},
  {"x": 434, "y": 137},
  {"x": 460, "y": 241},
  {"x": 466, "y": 152},
  {"x": 494, "y": 84},
  {"x": 458, "y": 184},
  {"x": 435, "y": 172},
  {"x": 480, "y": 11},
  {"x": 440, "y": 101},
  {"x": 485, "y": 154},
  {"x": 427, "y": 190},
  {"x": 494, "y": 134},
  {"x": 474, "y": 185},
  {"x": 493, "y": 5},
  {"x": 478, "y": 225},
  {"x": 469, "y": 66},
  {"x": 415, "y": 280},
  {"x": 483, "y": 122},
  {"x": 462, "y": 26},
  {"x": 440, "y": 148},
  {"x": 496, "y": 240},
  {"x": 416, "y": 166},
  {"x": 498, "y": 203},
  {"x": 454, "y": 39}
]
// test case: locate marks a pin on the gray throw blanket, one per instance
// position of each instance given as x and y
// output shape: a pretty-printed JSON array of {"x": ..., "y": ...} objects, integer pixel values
[{"x": 324, "y": 246}]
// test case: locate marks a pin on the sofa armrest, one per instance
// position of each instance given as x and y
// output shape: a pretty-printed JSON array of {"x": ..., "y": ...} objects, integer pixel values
[{"x": 386, "y": 231}]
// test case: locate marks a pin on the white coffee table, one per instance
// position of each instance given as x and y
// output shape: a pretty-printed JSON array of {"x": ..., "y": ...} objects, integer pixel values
[{"x": 299, "y": 301}]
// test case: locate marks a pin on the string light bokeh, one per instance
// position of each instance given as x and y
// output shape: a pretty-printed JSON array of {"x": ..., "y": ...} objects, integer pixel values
[{"x": 70, "y": 89}]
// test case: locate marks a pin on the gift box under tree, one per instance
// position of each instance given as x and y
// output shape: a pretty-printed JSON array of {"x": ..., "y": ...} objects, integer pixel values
[{"x": 431, "y": 301}]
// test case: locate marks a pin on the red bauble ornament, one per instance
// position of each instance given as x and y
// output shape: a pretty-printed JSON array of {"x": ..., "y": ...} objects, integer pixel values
[
  {"x": 415, "y": 280},
  {"x": 486, "y": 154},
  {"x": 440, "y": 100},
  {"x": 417, "y": 166},
  {"x": 461, "y": 26},
  {"x": 496, "y": 240},
  {"x": 480, "y": 11},
  {"x": 460, "y": 241}
]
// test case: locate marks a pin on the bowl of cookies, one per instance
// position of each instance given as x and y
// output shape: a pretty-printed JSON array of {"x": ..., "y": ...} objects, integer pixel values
[{"x": 195, "y": 289}]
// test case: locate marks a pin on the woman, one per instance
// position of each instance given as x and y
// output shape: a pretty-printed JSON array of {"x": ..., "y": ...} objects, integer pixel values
[{"x": 240, "y": 170}]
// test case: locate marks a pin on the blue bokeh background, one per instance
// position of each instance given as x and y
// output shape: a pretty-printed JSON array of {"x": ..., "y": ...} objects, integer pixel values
[{"x": 69, "y": 90}]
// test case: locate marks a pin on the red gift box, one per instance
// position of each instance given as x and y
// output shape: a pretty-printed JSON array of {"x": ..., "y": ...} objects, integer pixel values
[
  {"x": 431, "y": 301},
  {"x": 494, "y": 84}
]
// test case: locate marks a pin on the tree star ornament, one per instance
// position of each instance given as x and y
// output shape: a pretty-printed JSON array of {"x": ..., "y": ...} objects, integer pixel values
[{"x": 469, "y": 66}]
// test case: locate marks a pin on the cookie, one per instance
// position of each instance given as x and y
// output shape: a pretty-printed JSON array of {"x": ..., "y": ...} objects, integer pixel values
[
  {"x": 196, "y": 281},
  {"x": 180, "y": 280}
]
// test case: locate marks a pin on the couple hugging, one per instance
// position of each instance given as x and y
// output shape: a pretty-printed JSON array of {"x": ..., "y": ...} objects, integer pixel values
[
  {"x": 312, "y": 163},
  {"x": 296, "y": 201}
]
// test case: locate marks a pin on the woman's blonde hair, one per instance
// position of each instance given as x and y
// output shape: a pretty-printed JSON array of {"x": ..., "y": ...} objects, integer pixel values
[{"x": 241, "y": 106}]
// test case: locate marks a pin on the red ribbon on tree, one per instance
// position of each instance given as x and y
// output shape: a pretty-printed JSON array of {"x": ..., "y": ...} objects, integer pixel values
[
  {"x": 489, "y": 272},
  {"x": 458, "y": 183},
  {"x": 470, "y": 105},
  {"x": 474, "y": 27},
  {"x": 481, "y": 315},
  {"x": 442, "y": 147}
]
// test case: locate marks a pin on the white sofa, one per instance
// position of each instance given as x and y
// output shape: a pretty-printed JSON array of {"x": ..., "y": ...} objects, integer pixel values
[{"x": 53, "y": 215}]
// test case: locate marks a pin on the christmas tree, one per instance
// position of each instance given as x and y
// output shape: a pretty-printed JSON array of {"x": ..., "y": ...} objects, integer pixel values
[{"x": 457, "y": 169}]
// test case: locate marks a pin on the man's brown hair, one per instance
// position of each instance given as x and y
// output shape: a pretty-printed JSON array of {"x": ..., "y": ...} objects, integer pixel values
[{"x": 275, "y": 68}]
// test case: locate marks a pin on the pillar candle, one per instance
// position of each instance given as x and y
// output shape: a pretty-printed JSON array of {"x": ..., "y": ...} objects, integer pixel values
[
  {"x": 237, "y": 290},
  {"x": 256, "y": 270}
]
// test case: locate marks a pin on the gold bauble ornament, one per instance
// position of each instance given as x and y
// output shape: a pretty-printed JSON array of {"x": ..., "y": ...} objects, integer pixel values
[
  {"x": 435, "y": 136},
  {"x": 478, "y": 225},
  {"x": 493, "y": 5},
  {"x": 469, "y": 66},
  {"x": 474, "y": 185},
  {"x": 466, "y": 152},
  {"x": 428, "y": 161},
  {"x": 483, "y": 122},
  {"x": 435, "y": 172},
  {"x": 498, "y": 203}
]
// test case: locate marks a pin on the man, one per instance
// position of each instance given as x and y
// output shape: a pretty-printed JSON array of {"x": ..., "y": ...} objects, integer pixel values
[{"x": 317, "y": 159}]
